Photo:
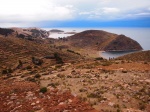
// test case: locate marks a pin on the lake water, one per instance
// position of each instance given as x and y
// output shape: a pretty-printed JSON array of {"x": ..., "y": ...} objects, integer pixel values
[{"x": 141, "y": 35}]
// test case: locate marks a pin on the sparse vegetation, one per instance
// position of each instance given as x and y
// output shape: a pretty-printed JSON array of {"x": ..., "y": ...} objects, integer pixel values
[
  {"x": 54, "y": 85},
  {"x": 106, "y": 63},
  {"x": 58, "y": 58},
  {"x": 37, "y": 76},
  {"x": 73, "y": 52},
  {"x": 43, "y": 90},
  {"x": 37, "y": 61},
  {"x": 107, "y": 85},
  {"x": 7, "y": 71},
  {"x": 99, "y": 58}
]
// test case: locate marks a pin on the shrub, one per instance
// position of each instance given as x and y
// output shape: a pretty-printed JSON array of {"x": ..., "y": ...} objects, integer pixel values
[
  {"x": 99, "y": 58},
  {"x": 118, "y": 110},
  {"x": 58, "y": 58},
  {"x": 82, "y": 90},
  {"x": 31, "y": 79},
  {"x": 60, "y": 75},
  {"x": 19, "y": 64},
  {"x": 142, "y": 106},
  {"x": 28, "y": 67},
  {"x": 93, "y": 95},
  {"x": 6, "y": 71},
  {"x": 37, "y": 76},
  {"x": 54, "y": 85},
  {"x": 37, "y": 61},
  {"x": 124, "y": 71},
  {"x": 73, "y": 52},
  {"x": 43, "y": 90}
]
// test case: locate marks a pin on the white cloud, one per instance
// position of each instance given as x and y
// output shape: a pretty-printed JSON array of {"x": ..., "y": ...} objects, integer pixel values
[
  {"x": 30, "y": 11},
  {"x": 143, "y": 14},
  {"x": 84, "y": 13},
  {"x": 109, "y": 10},
  {"x": 33, "y": 10},
  {"x": 18, "y": 24}
]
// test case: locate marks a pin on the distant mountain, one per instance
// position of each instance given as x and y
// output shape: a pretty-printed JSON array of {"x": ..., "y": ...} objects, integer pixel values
[{"x": 102, "y": 40}]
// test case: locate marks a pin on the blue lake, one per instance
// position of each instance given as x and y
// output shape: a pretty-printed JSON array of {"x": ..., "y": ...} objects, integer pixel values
[
  {"x": 115, "y": 54},
  {"x": 141, "y": 35}
]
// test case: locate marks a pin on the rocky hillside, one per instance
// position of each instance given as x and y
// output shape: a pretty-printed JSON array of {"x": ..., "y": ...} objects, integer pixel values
[
  {"x": 13, "y": 49},
  {"x": 28, "y": 33},
  {"x": 49, "y": 75},
  {"x": 101, "y": 40},
  {"x": 138, "y": 56}
]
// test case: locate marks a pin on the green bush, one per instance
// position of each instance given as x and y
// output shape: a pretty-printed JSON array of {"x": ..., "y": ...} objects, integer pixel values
[
  {"x": 6, "y": 71},
  {"x": 58, "y": 58},
  {"x": 43, "y": 90},
  {"x": 54, "y": 85},
  {"x": 28, "y": 67},
  {"x": 31, "y": 79},
  {"x": 93, "y": 95},
  {"x": 37, "y": 61},
  {"x": 99, "y": 58},
  {"x": 37, "y": 76},
  {"x": 73, "y": 52}
]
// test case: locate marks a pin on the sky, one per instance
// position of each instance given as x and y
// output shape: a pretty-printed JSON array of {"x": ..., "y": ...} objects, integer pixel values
[{"x": 74, "y": 13}]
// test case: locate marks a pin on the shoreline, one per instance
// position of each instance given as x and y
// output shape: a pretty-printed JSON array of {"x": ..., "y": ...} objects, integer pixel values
[{"x": 100, "y": 54}]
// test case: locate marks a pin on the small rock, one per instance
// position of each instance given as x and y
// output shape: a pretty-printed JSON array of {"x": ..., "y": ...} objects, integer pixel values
[
  {"x": 37, "y": 101},
  {"x": 61, "y": 103},
  {"x": 37, "y": 107},
  {"x": 18, "y": 103},
  {"x": 11, "y": 102},
  {"x": 41, "y": 110},
  {"x": 66, "y": 111},
  {"x": 110, "y": 104},
  {"x": 69, "y": 100},
  {"x": 125, "y": 100},
  {"x": 34, "y": 98},
  {"x": 13, "y": 97},
  {"x": 147, "y": 80},
  {"x": 32, "y": 104}
]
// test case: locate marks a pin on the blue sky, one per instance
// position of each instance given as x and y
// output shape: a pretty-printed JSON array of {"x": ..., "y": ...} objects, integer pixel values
[{"x": 75, "y": 13}]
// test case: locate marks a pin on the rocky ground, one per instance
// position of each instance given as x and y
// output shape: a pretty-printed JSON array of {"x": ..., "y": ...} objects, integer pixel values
[
  {"x": 23, "y": 96},
  {"x": 83, "y": 86}
]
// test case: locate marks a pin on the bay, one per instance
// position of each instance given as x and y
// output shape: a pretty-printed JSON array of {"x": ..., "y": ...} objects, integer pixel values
[{"x": 141, "y": 35}]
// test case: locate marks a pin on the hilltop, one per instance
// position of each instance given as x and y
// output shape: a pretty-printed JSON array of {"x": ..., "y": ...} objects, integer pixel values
[{"x": 102, "y": 40}]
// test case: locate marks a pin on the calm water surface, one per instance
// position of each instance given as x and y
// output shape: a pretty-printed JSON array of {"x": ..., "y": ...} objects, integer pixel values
[{"x": 141, "y": 35}]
